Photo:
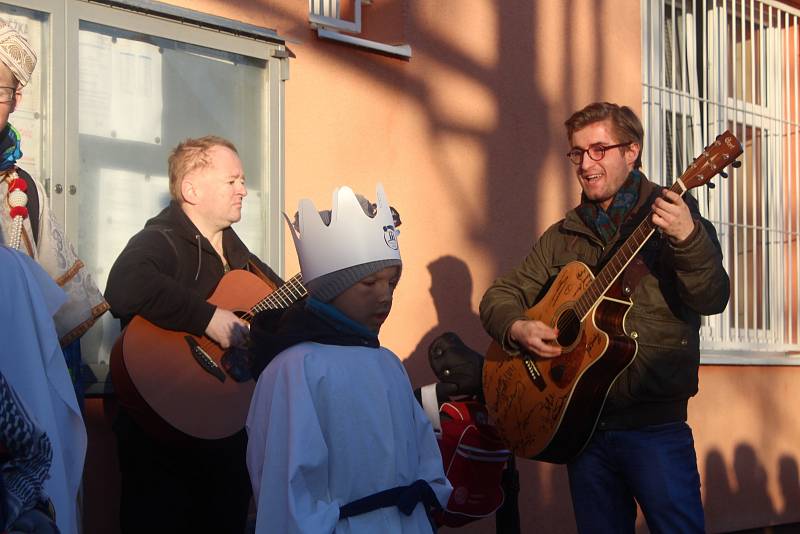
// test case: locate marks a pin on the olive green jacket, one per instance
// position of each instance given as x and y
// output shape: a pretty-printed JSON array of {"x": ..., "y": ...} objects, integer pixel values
[{"x": 681, "y": 283}]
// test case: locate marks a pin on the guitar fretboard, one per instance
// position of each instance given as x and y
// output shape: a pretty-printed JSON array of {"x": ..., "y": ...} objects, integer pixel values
[
  {"x": 609, "y": 273},
  {"x": 290, "y": 292}
]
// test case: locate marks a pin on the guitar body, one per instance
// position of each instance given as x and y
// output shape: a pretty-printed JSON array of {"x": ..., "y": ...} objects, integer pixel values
[
  {"x": 547, "y": 408},
  {"x": 164, "y": 388}
]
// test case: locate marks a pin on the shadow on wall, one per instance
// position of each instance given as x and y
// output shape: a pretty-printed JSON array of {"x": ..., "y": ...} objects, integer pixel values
[
  {"x": 500, "y": 217},
  {"x": 747, "y": 492},
  {"x": 498, "y": 213},
  {"x": 544, "y": 488},
  {"x": 451, "y": 291}
]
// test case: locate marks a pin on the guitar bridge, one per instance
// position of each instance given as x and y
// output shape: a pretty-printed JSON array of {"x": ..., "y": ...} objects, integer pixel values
[
  {"x": 534, "y": 373},
  {"x": 204, "y": 359}
]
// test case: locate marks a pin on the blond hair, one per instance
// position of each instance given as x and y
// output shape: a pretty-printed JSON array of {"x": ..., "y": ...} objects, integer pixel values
[{"x": 191, "y": 155}]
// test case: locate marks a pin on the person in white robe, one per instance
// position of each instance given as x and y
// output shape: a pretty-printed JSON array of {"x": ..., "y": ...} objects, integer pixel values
[
  {"x": 27, "y": 223},
  {"x": 336, "y": 439},
  {"x": 32, "y": 362}
]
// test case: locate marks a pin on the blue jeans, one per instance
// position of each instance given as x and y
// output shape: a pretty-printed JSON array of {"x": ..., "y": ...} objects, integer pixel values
[{"x": 655, "y": 466}]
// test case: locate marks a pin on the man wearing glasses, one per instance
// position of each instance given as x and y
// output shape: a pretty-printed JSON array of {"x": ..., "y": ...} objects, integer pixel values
[{"x": 642, "y": 450}]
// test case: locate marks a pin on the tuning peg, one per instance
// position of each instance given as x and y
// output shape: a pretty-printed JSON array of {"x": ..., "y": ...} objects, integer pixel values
[
  {"x": 711, "y": 185},
  {"x": 736, "y": 164},
  {"x": 723, "y": 174}
]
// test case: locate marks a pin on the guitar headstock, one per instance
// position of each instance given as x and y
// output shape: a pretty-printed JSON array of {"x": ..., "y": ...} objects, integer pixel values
[{"x": 718, "y": 155}]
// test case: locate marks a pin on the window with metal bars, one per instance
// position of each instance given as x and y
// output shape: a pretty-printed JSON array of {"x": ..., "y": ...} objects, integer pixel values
[
  {"x": 712, "y": 65},
  {"x": 340, "y": 20}
]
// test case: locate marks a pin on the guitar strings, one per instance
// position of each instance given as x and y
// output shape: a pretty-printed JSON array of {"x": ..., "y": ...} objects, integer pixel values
[
  {"x": 291, "y": 291},
  {"x": 598, "y": 287}
]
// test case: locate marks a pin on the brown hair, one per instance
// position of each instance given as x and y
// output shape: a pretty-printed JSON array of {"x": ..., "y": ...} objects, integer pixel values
[
  {"x": 627, "y": 126},
  {"x": 191, "y": 155}
]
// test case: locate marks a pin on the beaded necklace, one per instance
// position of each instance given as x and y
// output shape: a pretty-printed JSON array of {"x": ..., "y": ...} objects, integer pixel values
[{"x": 17, "y": 200}]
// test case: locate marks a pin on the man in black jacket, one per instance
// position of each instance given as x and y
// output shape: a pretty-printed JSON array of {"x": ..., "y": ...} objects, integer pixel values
[{"x": 165, "y": 274}]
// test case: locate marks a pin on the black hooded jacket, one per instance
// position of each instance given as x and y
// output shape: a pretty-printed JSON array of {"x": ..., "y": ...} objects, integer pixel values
[{"x": 168, "y": 269}]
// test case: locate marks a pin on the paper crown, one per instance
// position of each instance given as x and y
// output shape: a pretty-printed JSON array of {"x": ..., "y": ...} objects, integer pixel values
[{"x": 351, "y": 238}]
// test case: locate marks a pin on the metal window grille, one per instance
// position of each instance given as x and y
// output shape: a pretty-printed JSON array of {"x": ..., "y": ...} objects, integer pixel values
[
  {"x": 328, "y": 13},
  {"x": 332, "y": 17},
  {"x": 712, "y": 65}
]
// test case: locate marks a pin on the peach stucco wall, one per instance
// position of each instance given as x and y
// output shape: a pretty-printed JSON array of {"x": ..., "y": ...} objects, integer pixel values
[
  {"x": 747, "y": 436},
  {"x": 467, "y": 138}
]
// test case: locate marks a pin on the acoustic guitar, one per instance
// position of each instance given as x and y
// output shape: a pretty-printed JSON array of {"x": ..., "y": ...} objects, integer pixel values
[
  {"x": 547, "y": 408},
  {"x": 175, "y": 384}
]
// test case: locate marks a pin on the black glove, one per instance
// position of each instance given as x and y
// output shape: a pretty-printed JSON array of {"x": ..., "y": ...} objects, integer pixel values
[{"x": 458, "y": 367}]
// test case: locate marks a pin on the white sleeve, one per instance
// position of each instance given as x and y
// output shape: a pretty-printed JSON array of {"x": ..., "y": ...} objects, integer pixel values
[
  {"x": 430, "y": 457},
  {"x": 286, "y": 454}
]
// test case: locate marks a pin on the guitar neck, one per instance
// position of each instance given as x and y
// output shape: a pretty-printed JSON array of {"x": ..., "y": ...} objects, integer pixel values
[
  {"x": 290, "y": 292},
  {"x": 611, "y": 271}
]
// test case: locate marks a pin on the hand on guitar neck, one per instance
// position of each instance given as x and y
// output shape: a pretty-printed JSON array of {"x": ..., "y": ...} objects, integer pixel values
[
  {"x": 672, "y": 216},
  {"x": 536, "y": 337},
  {"x": 227, "y": 329}
]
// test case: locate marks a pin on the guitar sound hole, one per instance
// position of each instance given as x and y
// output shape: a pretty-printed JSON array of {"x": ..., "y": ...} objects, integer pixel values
[{"x": 569, "y": 328}]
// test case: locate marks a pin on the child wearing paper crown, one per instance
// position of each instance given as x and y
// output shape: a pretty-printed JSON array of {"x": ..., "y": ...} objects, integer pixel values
[{"x": 337, "y": 441}]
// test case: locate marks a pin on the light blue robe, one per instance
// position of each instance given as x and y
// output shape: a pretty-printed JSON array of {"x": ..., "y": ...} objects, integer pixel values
[
  {"x": 332, "y": 424},
  {"x": 32, "y": 362}
]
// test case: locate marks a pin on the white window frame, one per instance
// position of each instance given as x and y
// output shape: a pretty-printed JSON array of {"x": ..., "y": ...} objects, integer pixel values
[
  {"x": 723, "y": 339},
  {"x": 167, "y": 22},
  {"x": 325, "y": 16}
]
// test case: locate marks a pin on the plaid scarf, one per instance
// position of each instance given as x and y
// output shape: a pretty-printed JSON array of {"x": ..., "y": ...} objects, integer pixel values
[
  {"x": 606, "y": 223},
  {"x": 10, "y": 152},
  {"x": 29, "y": 456}
]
